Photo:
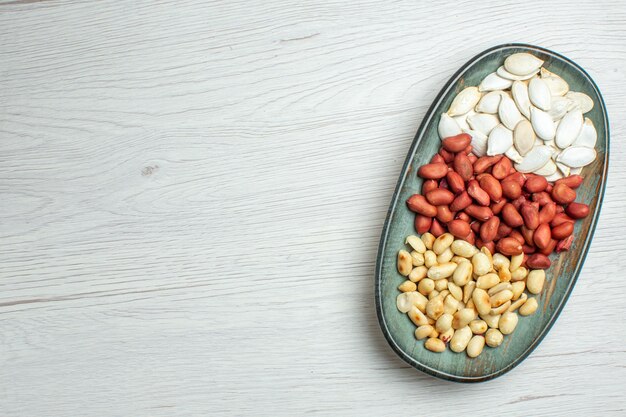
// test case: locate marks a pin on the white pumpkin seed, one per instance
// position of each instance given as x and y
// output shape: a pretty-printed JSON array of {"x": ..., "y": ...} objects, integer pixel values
[
  {"x": 479, "y": 142},
  {"x": 535, "y": 159},
  {"x": 508, "y": 113},
  {"x": 465, "y": 101},
  {"x": 524, "y": 137},
  {"x": 500, "y": 140},
  {"x": 502, "y": 72},
  {"x": 569, "y": 128},
  {"x": 557, "y": 85},
  {"x": 582, "y": 100},
  {"x": 559, "y": 107},
  {"x": 494, "y": 82},
  {"x": 548, "y": 169},
  {"x": 587, "y": 136},
  {"x": 556, "y": 176},
  {"x": 513, "y": 155},
  {"x": 522, "y": 63},
  {"x": 461, "y": 122},
  {"x": 539, "y": 93},
  {"x": 563, "y": 169},
  {"x": 542, "y": 124},
  {"x": 552, "y": 144},
  {"x": 483, "y": 122},
  {"x": 448, "y": 127},
  {"x": 490, "y": 102},
  {"x": 577, "y": 156},
  {"x": 519, "y": 90},
  {"x": 462, "y": 119}
]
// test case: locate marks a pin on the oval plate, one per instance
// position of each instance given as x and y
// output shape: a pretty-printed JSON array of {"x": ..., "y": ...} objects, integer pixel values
[{"x": 562, "y": 275}]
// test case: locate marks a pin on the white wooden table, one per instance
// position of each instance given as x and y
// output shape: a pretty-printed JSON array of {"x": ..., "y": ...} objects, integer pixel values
[{"x": 192, "y": 194}]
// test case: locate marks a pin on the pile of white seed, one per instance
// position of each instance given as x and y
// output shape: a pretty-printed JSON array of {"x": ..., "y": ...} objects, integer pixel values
[{"x": 529, "y": 114}]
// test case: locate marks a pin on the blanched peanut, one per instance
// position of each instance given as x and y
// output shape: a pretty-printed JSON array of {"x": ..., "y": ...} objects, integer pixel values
[
  {"x": 470, "y": 304},
  {"x": 484, "y": 282},
  {"x": 507, "y": 322},
  {"x": 491, "y": 320},
  {"x": 462, "y": 318},
  {"x": 500, "y": 261},
  {"x": 447, "y": 335},
  {"x": 417, "y": 258},
  {"x": 441, "y": 284},
  {"x": 424, "y": 331},
  {"x": 463, "y": 248},
  {"x": 475, "y": 346},
  {"x": 434, "y": 333},
  {"x": 417, "y": 317},
  {"x": 407, "y": 286},
  {"x": 516, "y": 262},
  {"x": 461, "y": 338},
  {"x": 529, "y": 307},
  {"x": 442, "y": 243},
  {"x": 428, "y": 239},
  {"x": 418, "y": 273},
  {"x": 443, "y": 293},
  {"x": 434, "y": 307},
  {"x": 462, "y": 274},
  {"x": 487, "y": 253},
  {"x": 416, "y": 243},
  {"x": 403, "y": 303},
  {"x": 481, "y": 264},
  {"x": 468, "y": 290},
  {"x": 518, "y": 289},
  {"x": 456, "y": 291},
  {"x": 493, "y": 338},
  {"x": 535, "y": 280},
  {"x": 433, "y": 294},
  {"x": 435, "y": 345},
  {"x": 418, "y": 300},
  {"x": 501, "y": 286},
  {"x": 405, "y": 264},
  {"x": 426, "y": 286},
  {"x": 502, "y": 309},
  {"x": 442, "y": 271},
  {"x": 478, "y": 326},
  {"x": 450, "y": 304},
  {"x": 481, "y": 301},
  {"x": 444, "y": 322},
  {"x": 445, "y": 256},
  {"x": 519, "y": 274},
  {"x": 458, "y": 259},
  {"x": 500, "y": 298},
  {"x": 504, "y": 274},
  {"x": 430, "y": 259},
  {"x": 518, "y": 303}
]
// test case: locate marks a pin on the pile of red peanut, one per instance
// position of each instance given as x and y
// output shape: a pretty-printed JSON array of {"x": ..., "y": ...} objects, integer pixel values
[{"x": 486, "y": 202}]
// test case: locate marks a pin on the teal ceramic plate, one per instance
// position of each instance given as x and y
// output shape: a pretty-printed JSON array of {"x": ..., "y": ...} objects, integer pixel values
[{"x": 562, "y": 275}]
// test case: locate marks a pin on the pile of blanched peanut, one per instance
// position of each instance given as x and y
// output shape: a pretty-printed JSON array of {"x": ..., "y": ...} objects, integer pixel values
[{"x": 461, "y": 296}]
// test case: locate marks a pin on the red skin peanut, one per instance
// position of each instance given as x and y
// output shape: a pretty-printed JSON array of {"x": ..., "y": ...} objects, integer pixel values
[
  {"x": 422, "y": 223},
  {"x": 456, "y": 143}
]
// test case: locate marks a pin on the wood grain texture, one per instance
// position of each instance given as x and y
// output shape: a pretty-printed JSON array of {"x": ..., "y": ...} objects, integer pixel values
[{"x": 192, "y": 193}]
